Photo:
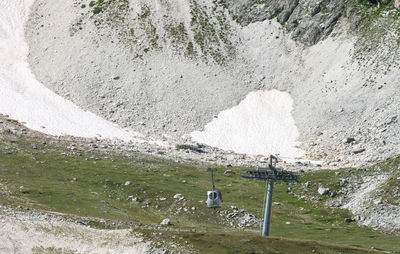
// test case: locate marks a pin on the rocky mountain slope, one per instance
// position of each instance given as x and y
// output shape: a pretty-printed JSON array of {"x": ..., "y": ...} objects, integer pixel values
[{"x": 167, "y": 68}]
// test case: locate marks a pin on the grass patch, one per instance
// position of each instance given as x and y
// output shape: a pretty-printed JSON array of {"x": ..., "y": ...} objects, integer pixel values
[
  {"x": 42, "y": 250},
  {"x": 377, "y": 38},
  {"x": 94, "y": 184}
]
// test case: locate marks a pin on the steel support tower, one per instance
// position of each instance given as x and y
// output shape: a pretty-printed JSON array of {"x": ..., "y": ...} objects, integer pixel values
[{"x": 270, "y": 174}]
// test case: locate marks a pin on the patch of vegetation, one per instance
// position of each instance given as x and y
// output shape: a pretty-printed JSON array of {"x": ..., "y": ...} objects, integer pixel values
[
  {"x": 132, "y": 32},
  {"x": 212, "y": 36},
  {"x": 190, "y": 51},
  {"x": 333, "y": 179},
  {"x": 236, "y": 242},
  {"x": 115, "y": 11},
  {"x": 144, "y": 29},
  {"x": 177, "y": 34},
  {"x": 152, "y": 35},
  {"x": 145, "y": 12},
  {"x": 378, "y": 34},
  {"x": 369, "y": 14},
  {"x": 42, "y": 250},
  {"x": 109, "y": 13},
  {"x": 389, "y": 191},
  {"x": 97, "y": 10},
  {"x": 208, "y": 35},
  {"x": 138, "y": 191}
]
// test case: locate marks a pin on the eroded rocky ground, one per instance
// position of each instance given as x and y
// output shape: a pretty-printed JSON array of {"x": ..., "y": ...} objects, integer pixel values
[
  {"x": 168, "y": 69},
  {"x": 28, "y": 231}
]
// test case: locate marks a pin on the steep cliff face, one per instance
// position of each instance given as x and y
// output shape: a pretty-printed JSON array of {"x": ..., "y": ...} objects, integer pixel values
[{"x": 308, "y": 21}]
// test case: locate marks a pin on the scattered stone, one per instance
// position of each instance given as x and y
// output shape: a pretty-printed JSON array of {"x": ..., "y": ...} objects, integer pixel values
[
  {"x": 127, "y": 183},
  {"x": 348, "y": 220},
  {"x": 194, "y": 148},
  {"x": 378, "y": 202},
  {"x": 349, "y": 140},
  {"x": 166, "y": 222},
  {"x": 229, "y": 172},
  {"x": 247, "y": 220},
  {"x": 397, "y": 4},
  {"x": 357, "y": 151},
  {"x": 358, "y": 218},
  {"x": 323, "y": 191},
  {"x": 343, "y": 182},
  {"x": 179, "y": 196}
]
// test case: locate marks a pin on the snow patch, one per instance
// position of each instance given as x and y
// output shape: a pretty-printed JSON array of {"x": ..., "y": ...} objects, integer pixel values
[
  {"x": 23, "y": 98},
  {"x": 261, "y": 124}
]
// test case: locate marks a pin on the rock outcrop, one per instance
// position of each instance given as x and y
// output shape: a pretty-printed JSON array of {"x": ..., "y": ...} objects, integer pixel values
[
  {"x": 397, "y": 4},
  {"x": 308, "y": 21}
]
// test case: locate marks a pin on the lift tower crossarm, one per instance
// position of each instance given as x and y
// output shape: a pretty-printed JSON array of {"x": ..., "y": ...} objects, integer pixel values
[{"x": 270, "y": 174}]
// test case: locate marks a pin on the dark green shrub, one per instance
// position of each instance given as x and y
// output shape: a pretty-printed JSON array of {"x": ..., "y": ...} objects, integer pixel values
[{"x": 97, "y": 10}]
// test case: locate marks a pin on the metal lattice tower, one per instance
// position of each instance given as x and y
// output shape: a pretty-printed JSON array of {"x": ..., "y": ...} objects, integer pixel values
[{"x": 270, "y": 174}]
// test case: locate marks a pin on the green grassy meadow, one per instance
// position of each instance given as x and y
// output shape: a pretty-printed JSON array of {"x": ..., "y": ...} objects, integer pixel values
[{"x": 91, "y": 184}]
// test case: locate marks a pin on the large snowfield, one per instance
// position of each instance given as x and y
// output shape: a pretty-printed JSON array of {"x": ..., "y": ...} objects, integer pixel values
[{"x": 261, "y": 124}]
